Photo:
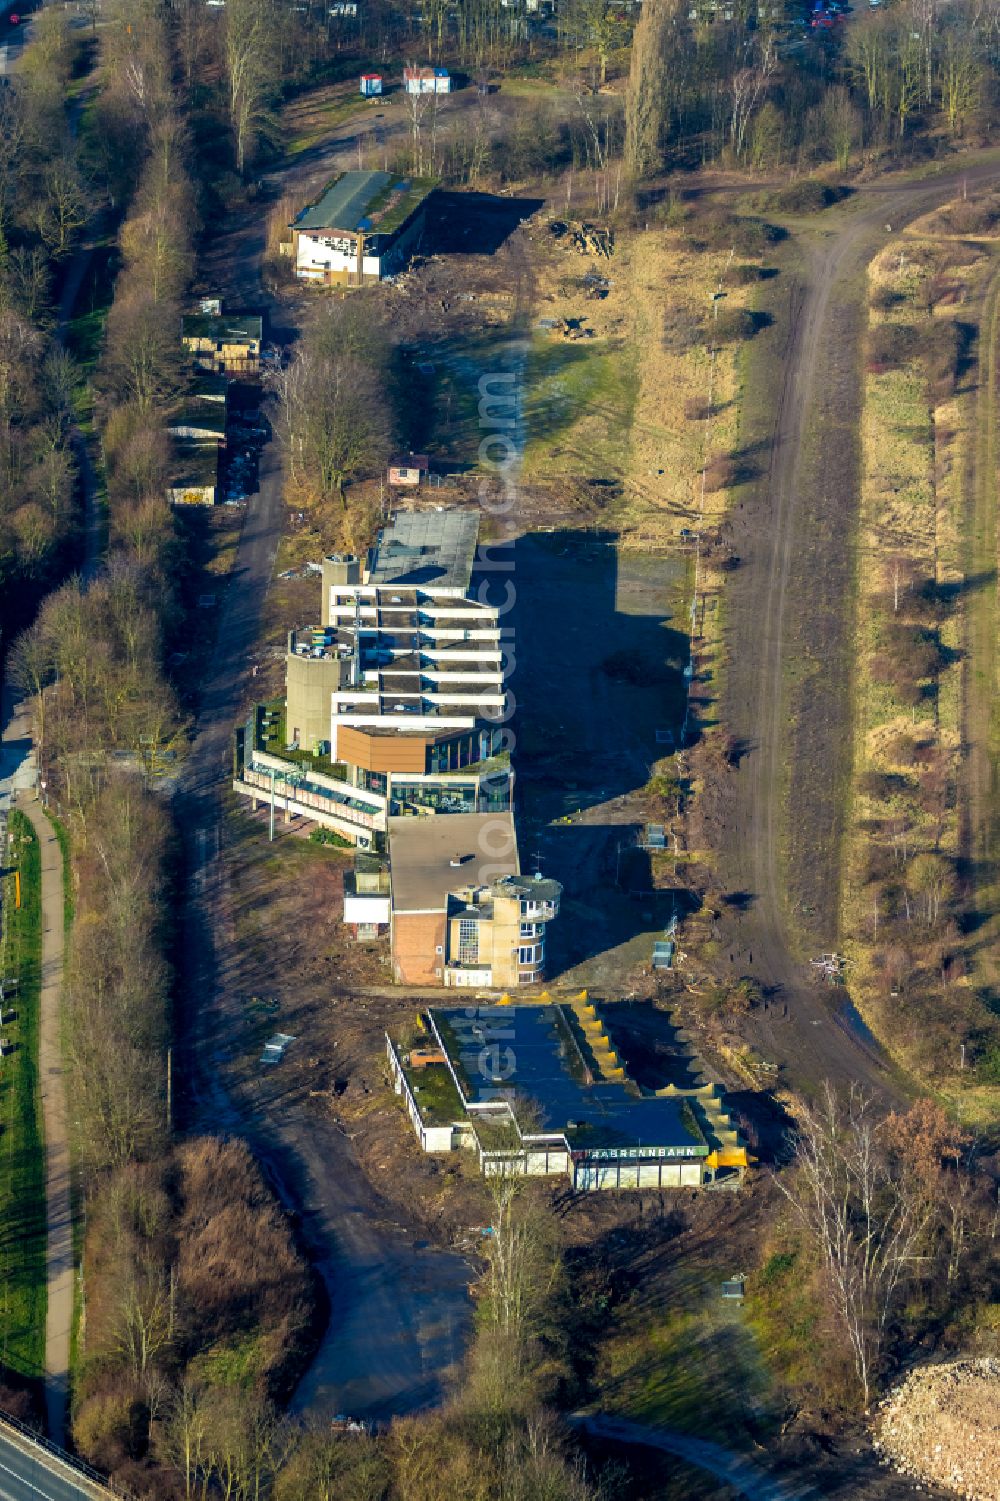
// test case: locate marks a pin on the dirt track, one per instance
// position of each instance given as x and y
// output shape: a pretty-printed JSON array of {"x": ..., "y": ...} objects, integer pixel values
[{"x": 789, "y": 626}]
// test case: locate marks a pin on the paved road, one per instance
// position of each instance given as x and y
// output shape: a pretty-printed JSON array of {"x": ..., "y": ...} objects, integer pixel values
[
  {"x": 796, "y": 513},
  {"x": 746, "y": 1478},
  {"x": 30, "y": 1473}
]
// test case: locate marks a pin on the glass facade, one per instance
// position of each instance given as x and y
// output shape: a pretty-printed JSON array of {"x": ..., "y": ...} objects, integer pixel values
[
  {"x": 468, "y": 940},
  {"x": 416, "y": 797}
]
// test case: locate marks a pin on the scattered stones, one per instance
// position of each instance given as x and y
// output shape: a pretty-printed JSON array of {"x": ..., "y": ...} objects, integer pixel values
[{"x": 942, "y": 1425}]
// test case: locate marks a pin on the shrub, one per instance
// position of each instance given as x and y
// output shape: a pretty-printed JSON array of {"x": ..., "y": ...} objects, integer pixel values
[
  {"x": 682, "y": 329},
  {"x": 972, "y": 217},
  {"x": 890, "y": 345},
  {"x": 104, "y": 1428},
  {"x": 745, "y": 236},
  {"x": 881, "y": 785},
  {"x": 902, "y": 749},
  {"x": 720, "y": 474},
  {"x": 941, "y": 347},
  {"x": 807, "y": 197},
  {"x": 743, "y": 275},
  {"x": 884, "y": 299},
  {"x": 733, "y": 324},
  {"x": 328, "y": 836}
]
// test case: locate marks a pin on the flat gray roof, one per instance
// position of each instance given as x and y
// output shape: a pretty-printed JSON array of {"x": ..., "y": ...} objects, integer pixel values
[
  {"x": 421, "y": 851},
  {"x": 435, "y": 548}
]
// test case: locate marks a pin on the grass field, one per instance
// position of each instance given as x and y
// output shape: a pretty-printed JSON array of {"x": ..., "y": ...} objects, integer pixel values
[
  {"x": 62, "y": 835},
  {"x": 916, "y": 447},
  {"x": 22, "y": 1168}
]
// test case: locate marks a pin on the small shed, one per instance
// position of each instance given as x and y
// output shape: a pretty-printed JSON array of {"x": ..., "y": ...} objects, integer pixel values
[
  {"x": 410, "y": 469},
  {"x": 371, "y": 85},
  {"x": 200, "y": 421},
  {"x": 223, "y": 343},
  {"x": 196, "y": 475},
  {"x": 427, "y": 80}
]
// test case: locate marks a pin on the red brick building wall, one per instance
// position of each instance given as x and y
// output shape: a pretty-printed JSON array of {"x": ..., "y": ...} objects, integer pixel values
[{"x": 416, "y": 937}]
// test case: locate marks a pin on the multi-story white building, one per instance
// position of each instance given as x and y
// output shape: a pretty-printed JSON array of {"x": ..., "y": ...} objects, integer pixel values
[
  {"x": 398, "y": 698},
  {"x": 423, "y": 683},
  {"x": 395, "y": 710}
]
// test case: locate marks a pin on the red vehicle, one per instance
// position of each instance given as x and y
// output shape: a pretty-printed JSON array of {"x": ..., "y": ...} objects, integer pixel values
[{"x": 14, "y": 18}]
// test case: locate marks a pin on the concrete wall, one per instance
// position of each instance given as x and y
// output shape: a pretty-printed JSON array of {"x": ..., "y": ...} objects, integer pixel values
[
  {"x": 366, "y": 909},
  {"x": 340, "y": 570},
  {"x": 309, "y": 682},
  {"x": 416, "y": 936}
]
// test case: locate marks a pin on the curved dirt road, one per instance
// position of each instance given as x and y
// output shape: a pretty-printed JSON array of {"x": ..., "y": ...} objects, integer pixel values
[{"x": 790, "y": 611}]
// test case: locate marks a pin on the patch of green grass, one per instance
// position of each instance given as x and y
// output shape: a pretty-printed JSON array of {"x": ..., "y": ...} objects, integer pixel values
[
  {"x": 579, "y": 407},
  {"x": 237, "y": 1362},
  {"x": 434, "y": 1091},
  {"x": 22, "y": 1164},
  {"x": 786, "y": 1319},
  {"x": 326, "y": 116},
  {"x": 688, "y": 1369},
  {"x": 62, "y": 835}
]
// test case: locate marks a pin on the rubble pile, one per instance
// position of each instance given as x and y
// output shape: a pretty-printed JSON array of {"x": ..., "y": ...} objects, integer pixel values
[{"x": 942, "y": 1425}]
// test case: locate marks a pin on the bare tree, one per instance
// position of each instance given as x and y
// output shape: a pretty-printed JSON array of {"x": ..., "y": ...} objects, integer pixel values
[
  {"x": 64, "y": 207},
  {"x": 334, "y": 419},
  {"x": 747, "y": 89},
  {"x": 865, "y": 1211},
  {"x": 960, "y": 79},
  {"x": 141, "y": 355},
  {"x": 249, "y": 68}
]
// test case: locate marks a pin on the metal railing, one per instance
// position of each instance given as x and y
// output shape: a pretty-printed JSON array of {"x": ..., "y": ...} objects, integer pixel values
[{"x": 69, "y": 1461}]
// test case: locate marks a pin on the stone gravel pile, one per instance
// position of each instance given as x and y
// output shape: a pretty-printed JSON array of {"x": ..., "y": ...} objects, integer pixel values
[{"x": 942, "y": 1425}]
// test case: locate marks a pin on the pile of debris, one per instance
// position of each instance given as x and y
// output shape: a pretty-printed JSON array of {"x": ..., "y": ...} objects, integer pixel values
[
  {"x": 942, "y": 1425},
  {"x": 588, "y": 239}
]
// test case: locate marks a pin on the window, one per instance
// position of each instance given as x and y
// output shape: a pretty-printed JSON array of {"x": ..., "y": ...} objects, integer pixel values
[
  {"x": 468, "y": 940},
  {"x": 526, "y": 955},
  {"x": 527, "y": 930}
]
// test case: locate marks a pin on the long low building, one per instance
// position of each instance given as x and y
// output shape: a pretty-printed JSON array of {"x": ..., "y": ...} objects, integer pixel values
[
  {"x": 530, "y": 1089},
  {"x": 364, "y": 226}
]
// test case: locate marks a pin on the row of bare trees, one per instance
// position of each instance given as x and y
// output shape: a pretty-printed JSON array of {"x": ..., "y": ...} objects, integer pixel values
[
  {"x": 893, "y": 1209},
  {"x": 732, "y": 89},
  {"x": 43, "y": 207}
]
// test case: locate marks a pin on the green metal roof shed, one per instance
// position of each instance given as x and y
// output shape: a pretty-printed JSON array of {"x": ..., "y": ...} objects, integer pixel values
[{"x": 376, "y": 201}]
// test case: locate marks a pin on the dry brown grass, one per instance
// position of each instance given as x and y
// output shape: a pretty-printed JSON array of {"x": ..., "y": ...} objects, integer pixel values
[{"x": 915, "y": 441}]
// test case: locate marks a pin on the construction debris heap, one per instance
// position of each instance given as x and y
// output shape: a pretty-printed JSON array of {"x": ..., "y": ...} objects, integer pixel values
[{"x": 942, "y": 1426}]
